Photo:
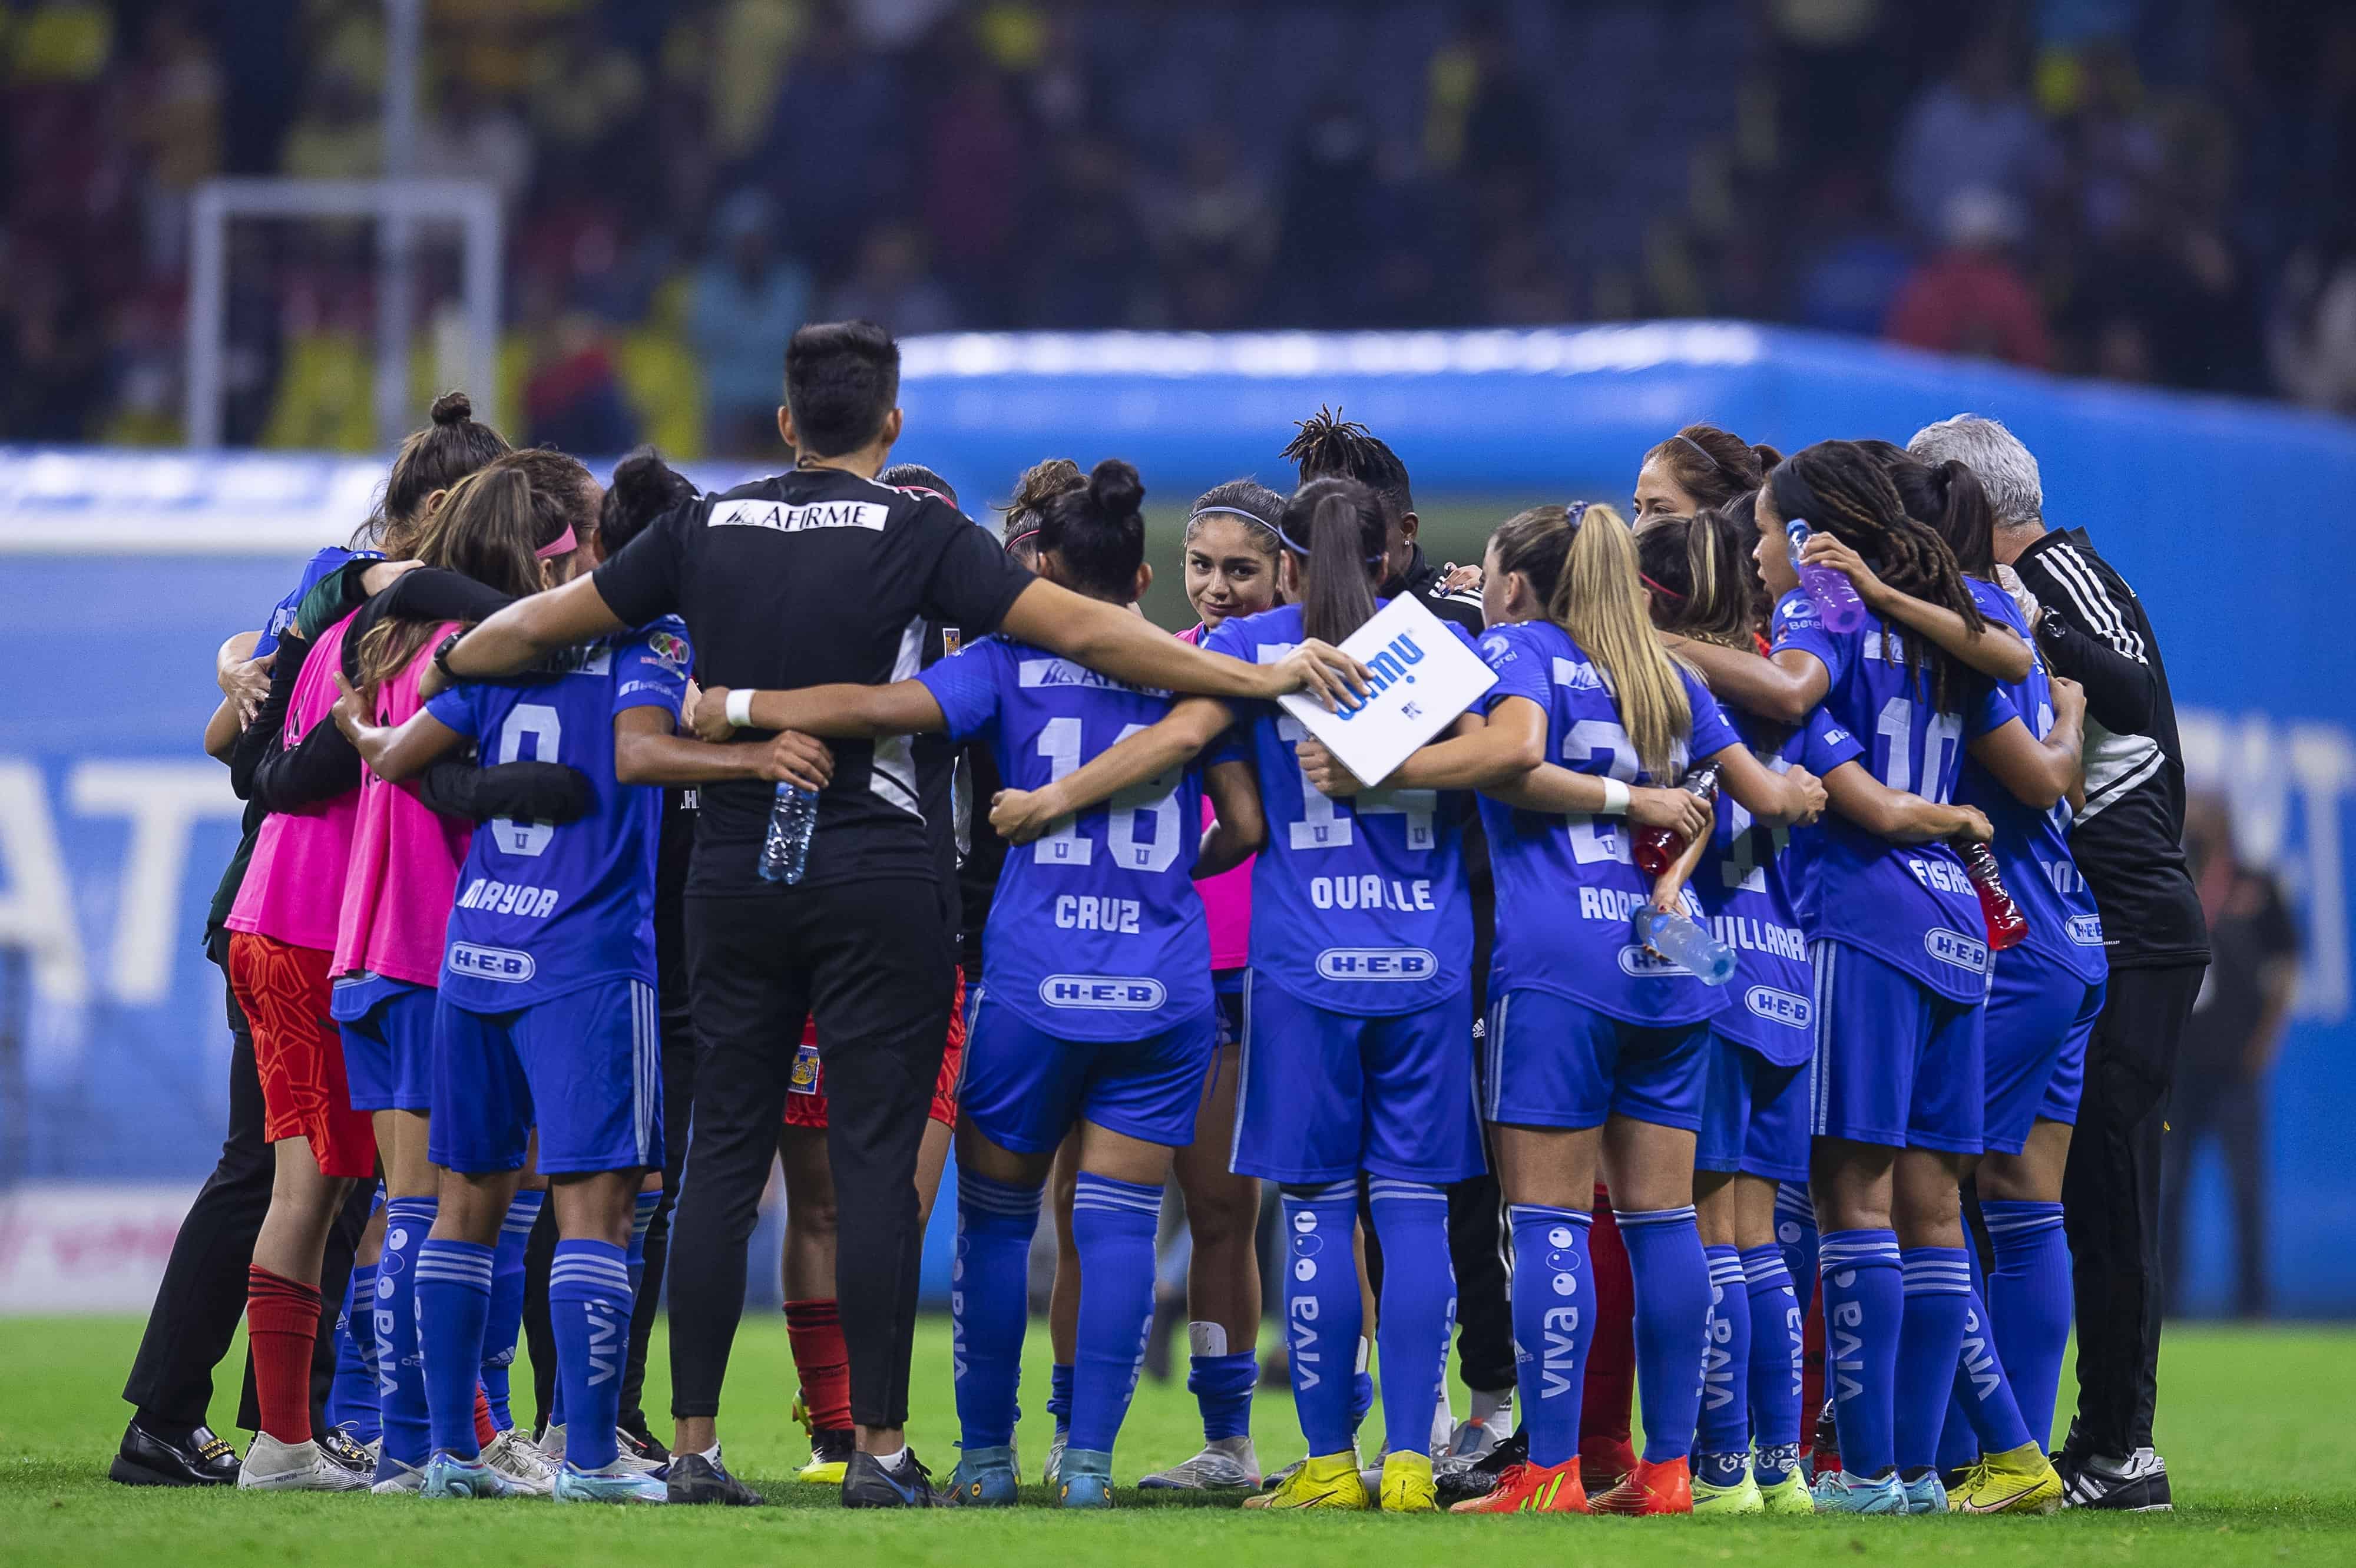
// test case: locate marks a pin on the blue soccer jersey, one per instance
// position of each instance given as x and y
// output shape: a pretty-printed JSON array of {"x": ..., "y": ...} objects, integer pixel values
[
  {"x": 1910, "y": 905},
  {"x": 1567, "y": 891},
  {"x": 1747, "y": 886},
  {"x": 2032, "y": 847},
  {"x": 543, "y": 909},
  {"x": 1358, "y": 906},
  {"x": 1097, "y": 932}
]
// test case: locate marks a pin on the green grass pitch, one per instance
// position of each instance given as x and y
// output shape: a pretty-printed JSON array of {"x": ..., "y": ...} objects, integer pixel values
[{"x": 2252, "y": 1426}]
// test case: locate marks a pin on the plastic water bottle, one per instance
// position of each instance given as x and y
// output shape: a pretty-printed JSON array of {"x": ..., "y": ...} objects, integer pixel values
[
  {"x": 1836, "y": 602},
  {"x": 793, "y": 823},
  {"x": 1999, "y": 912},
  {"x": 1657, "y": 848},
  {"x": 1685, "y": 944}
]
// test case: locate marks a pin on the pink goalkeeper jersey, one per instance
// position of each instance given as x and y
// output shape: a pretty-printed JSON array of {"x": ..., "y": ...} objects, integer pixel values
[
  {"x": 294, "y": 879},
  {"x": 1226, "y": 897},
  {"x": 406, "y": 861}
]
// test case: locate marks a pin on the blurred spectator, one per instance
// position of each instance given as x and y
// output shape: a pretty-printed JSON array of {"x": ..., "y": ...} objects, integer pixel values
[
  {"x": 974, "y": 163},
  {"x": 477, "y": 137},
  {"x": 177, "y": 109},
  {"x": 1090, "y": 265},
  {"x": 835, "y": 145},
  {"x": 50, "y": 353},
  {"x": 2109, "y": 146},
  {"x": 891, "y": 287},
  {"x": 2229, "y": 1049},
  {"x": 1970, "y": 298},
  {"x": 1856, "y": 263},
  {"x": 1480, "y": 116},
  {"x": 2311, "y": 340},
  {"x": 747, "y": 300},
  {"x": 1975, "y": 130},
  {"x": 572, "y": 397}
]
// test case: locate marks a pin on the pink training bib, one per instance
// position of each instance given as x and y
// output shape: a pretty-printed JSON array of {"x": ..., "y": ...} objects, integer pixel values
[
  {"x": 1226, "y": 897},
  {"x": 295, "y": 880},
  {"x": 406, "y": 861}
]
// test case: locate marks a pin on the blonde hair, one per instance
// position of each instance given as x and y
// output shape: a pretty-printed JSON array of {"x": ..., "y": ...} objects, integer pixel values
[{"x": 1581, "y": 563}]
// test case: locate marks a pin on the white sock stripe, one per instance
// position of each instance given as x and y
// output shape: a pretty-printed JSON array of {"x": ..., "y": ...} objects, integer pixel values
[
  {"x": 1726, "y": 1271},
  {"x": 1539, "y": 1213},
  {"x": 1332, "y": 1192},
  {"x": 1641, "y": 1218},
  {"x": 613, "y": 1268},
  {"x": 2026, "y": 1225},
  {"x": 1383, "y": 1187},
  {"x": 441, "y": 1271},
  {"x": 1096, "y": 1197},
  {"x": 1766, "y": 1271},
  {"x": 1792, "y": 1198}
]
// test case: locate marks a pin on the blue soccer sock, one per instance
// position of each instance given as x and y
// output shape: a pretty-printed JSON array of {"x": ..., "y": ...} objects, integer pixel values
[
  {"x": 642, "y": 1215},
  {"x": 1983, "y": 1393},
  {"x": 589, "y": 1313},
  {"x": 1362, "y": 1382},
  {"x": 1796, "y": 1237},
  {"x": 1722, "y": 1436},
  {"x": 990, "y": 1304},
  {"x": 1865, "y": 1303},
  {"x": 453, "y": 1299},
  {"x": 399, "y": 1364},
  {"x": 1672, "y": 1319},
  {"x": 505, "y": 1325},
  {"x": 1112, "y": 1226},
  {"x": 351, "y": 1399},
  {"x": 2028, "y": 1300},
  {"x": 1059, "y": 1396},
  {"x": 1777, "y": 1351},
  {"x": 1322, "y": 1314},
  {"x": 1417, "y": 1313},
  {"x": 1937, "y": 1282},
  {"x": 1554, "y": 1323},
  {"x": 1222, "y": 1385}
]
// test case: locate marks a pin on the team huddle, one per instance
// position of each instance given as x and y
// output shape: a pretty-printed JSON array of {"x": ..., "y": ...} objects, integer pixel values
[{"x": 1791, "y": 716}]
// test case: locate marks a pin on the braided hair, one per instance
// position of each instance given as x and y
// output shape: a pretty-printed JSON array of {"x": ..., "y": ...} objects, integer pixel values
[
  {"x": 1836, "y": 486},
  {"x": 1947, "y": 496},
  {"x": 1330, "y": 447}
]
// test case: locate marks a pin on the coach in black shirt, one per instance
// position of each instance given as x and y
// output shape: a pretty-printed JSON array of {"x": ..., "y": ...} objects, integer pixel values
[
  {"x": 816, "y": 576},
  {"x": 2128, "y": 839}
]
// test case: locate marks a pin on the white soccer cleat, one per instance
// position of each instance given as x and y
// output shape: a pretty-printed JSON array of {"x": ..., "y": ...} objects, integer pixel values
[
  {"x": 1227, "y": 1465},
  {"x": 405, "y": 1478},
  {"x": 522, "y": 1466},
  {"x": 552, "y": 1448},
  {"x": 616, "y": 1483},
  {"x": 273, "y": 1467}
]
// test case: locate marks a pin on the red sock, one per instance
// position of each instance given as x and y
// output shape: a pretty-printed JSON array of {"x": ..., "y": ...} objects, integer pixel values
[
  {"x": 487, "y": 1430},
  {"x": 282, "y": 1323},
  {"x": 820, "y": 1361},
  {"x": 1610, "y": 1394}
]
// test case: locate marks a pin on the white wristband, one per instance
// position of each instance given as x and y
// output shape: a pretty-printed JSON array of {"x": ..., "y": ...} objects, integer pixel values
[
  {"x": 740, "y": 709},
  {"x": 1615, "y": 797}
]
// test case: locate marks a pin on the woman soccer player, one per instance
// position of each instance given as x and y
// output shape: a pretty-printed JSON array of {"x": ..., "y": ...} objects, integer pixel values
[
  {"x": 1095, "y": 1010},
  {"x": 1698, "y": 467},
  {"x": 1595, "y": 1045},
  {"x": 1355, "y": 1008}
]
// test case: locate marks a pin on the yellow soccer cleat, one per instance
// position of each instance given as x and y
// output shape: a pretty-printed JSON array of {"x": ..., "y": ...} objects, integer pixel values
[
  {"x": 1744, "y": 1497},
  {"x": 1790, "y": 1495},
  {"x": 1408, "y": 1485},
  {"x": 2022, "y": 1480},
  {"x": 1325, "y": 1481}
]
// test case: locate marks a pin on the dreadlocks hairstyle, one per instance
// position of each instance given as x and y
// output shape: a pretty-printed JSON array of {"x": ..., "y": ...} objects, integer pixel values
[
  {"x": 644, "y": 488},
  {"x": 490, "y": 529},
  {"x": 1248, "y": 501},
  {"x": 1581, "y": 560},
  {"x": 1837, "y": 487},
  {"x": 1098, "y": 533},
  {"x": 917, "y": 477},
  {"x": 434, "y": 458},
  {"x": 1334, "y": 528},
  {"x": 1331, "y": 447},
  {"x": 1713, "y": 466},
  {"x": 1040, "y": 483},
  {"x": 1697, "y": 573}
]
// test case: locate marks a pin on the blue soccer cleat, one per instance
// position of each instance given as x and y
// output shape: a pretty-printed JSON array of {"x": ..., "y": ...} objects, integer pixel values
[
  {"x": 616, "y": 1483},
  {"x": 1925, "y": 1494},
  {"x": 1086, "y": 1479},
  {"x": 985, "y": 1478},
  {"x": 447, "y": 1476},
  {"x": 1838, "y": 1491}
]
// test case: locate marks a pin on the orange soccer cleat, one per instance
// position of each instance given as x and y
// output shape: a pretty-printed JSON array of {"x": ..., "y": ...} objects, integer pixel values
[
  {"x": 1531, "y": 1489},
  {"x": 1653, "y": 1486}
]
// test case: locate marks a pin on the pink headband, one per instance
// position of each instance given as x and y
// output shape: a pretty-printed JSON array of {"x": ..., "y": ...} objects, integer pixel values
[{"x": 562, "y": 544}]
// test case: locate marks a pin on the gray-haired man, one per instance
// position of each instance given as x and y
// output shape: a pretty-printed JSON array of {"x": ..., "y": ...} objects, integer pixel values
[{"x": 2128, "y": 839}]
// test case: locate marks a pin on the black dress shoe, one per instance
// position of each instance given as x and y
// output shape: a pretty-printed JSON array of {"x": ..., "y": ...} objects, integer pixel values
[
  {"x": 194, "y": 1459},
  {"x": 347, "y": 1451},
  {"x": 695, "y": 1479},
  {"x": 868, "y": 1482}
]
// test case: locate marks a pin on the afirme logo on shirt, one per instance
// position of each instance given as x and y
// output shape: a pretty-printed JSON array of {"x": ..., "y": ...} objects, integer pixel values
[
  {"x": 1120, "y": 993},
  {"x": 1953, "y": 947},
  {"x": 2086, "y": 930},
  {"x": 490, "y": 963},
  {"x": 497, "y": 897},
  {"x": 1577, "y": 676},
  {"x": 1064, "y": 673},
  {"x": 1377, "y": 963},
  {"x": 1780, "y": 1006},
  {"x": 869, "y": 515}
]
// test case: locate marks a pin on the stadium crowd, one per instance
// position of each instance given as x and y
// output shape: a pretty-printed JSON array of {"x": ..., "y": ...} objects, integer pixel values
[
  {"x": 2146, "y": 190},
  {"x": 1784, "y": 920}
]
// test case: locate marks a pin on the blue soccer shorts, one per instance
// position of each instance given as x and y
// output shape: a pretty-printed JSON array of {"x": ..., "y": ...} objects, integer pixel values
[
  {"x": 2039, "y": 1016},
  {"x": 585, "y": 1067},
  {"x": 388, "y": 1043},
  {"x": 1754, "y": 1115},
  {"x": 1897, "y": 1063},
  {"x": 1026, "y": 1090},
  {"x": 1326, "y": 1094},
  {"x": 1553, "y": 1062}
]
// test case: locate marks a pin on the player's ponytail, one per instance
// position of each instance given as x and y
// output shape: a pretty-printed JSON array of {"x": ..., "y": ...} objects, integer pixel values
[
  {"x": 487, "y": 528},
  {"x": 1697, "y": 576},
  {"x": 1334, "y": 531},
  {"x": 1097, "y": 533},
  {"x": 451, "y": 446},
  {"x": 644, "y": 488}
]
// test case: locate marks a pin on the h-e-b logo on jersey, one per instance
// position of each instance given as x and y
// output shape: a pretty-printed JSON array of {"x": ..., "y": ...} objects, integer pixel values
[{"x": 504, "y": 964}]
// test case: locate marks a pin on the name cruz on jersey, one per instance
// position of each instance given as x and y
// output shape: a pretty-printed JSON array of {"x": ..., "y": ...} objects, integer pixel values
[
  {"x": 1566, "y": 888},
  {"x": 544, "y": 909},
  {"x": 1095, "y": 932},
  {"x": 1358, "y": 905}
]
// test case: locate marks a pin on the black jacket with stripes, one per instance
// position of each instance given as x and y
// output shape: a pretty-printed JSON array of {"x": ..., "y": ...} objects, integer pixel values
[{"x": 2129, "y": 839}]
